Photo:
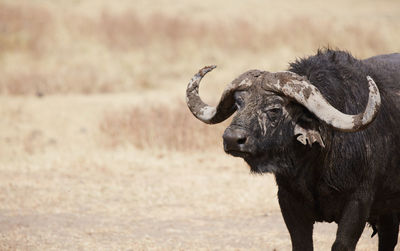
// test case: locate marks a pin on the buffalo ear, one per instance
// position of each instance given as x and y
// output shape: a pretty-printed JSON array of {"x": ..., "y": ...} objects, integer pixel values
[{"x": 307, "y": 131}]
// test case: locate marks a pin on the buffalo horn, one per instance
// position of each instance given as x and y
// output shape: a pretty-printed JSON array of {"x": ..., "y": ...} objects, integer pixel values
[
  {"x": 302, "y": 91},
  {"x": 209, "y": 114}
]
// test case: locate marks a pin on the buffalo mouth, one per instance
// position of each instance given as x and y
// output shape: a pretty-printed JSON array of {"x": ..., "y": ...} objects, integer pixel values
[
  {"x": 261, "y": 164},
  {"x": 258, "y": 163},
  {"x": 237, "y": 153}
]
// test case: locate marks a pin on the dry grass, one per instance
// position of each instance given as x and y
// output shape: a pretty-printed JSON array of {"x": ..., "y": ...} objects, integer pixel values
[
  {"x": 63, "y": 48},
  {"x": 161, "y": 127},
  {"x": 24, "y": 28},
  {"x": 127, "y": 31}
]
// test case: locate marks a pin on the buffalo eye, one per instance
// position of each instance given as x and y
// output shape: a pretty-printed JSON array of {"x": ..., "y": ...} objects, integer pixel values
[
  {"x": 239, "y": 100},
  {"x": 273, "y": 114}
]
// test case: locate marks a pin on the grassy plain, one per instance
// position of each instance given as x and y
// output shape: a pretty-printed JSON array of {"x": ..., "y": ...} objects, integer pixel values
[{"x": 98, "y": 149}]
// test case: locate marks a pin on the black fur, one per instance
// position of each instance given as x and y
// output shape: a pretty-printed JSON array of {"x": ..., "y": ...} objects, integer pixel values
[{"x": 353, "y": 180}]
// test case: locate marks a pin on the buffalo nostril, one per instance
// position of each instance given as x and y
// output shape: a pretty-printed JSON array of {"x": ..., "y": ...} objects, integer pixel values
[
  {"x": 235, "y": 139},
  {"x": 241, "y": 141}
]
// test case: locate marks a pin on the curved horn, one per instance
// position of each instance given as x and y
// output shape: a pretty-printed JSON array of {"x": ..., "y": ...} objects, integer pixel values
[
  {"x": 209, "y": 114},
  {"x": 301, "y": 90}
]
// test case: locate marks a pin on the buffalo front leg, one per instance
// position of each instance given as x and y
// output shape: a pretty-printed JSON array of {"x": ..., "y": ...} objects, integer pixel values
[
  {"x": 297, "y": 220},
  {"x": 351, "y": 225},
  {"x": 388, "y": 230}
]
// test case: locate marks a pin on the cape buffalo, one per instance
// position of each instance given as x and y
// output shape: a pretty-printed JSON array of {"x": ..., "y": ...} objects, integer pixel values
[{"x": 329, "y": 130}]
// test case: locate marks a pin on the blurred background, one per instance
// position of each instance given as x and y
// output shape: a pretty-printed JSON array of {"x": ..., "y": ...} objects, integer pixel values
[{"x": 99, "y": 151}]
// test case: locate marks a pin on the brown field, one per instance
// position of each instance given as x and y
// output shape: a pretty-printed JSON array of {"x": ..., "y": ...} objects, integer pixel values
[{"x": 99, "y": 151}]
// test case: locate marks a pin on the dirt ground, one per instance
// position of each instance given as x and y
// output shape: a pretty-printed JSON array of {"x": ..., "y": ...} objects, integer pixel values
[{"x": 63, "y": 188}]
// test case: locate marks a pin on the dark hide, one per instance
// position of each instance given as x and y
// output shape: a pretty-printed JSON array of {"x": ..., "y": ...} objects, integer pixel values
[{"x": 355, "y": 178}]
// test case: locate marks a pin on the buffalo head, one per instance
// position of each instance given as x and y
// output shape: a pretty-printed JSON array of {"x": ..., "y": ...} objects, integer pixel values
[{"x": 274, "y": 112}]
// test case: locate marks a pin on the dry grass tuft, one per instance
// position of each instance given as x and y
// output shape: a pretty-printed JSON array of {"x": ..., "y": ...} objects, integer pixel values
[
  {"x": 161, "y": 127},
  {"x": 24, "y": 28},
  {"x": 82, "y": 79}
]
